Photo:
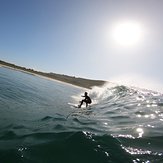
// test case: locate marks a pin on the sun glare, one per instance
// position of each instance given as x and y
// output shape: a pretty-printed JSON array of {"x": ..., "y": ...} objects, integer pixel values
[{"x": 127, "y": 33}]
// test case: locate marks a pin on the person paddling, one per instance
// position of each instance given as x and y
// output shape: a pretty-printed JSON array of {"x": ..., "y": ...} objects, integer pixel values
[{"x": 87, "y": 100}]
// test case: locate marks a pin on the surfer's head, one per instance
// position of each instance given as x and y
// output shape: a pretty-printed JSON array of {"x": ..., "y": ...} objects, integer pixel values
[{"x": 85, "y": 93}]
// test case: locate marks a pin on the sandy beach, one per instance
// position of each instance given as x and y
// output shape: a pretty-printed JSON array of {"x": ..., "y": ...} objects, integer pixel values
[{"x": 65, "y": 79}]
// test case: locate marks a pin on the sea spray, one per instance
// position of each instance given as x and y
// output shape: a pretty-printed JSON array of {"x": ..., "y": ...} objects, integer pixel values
[{"x": 139, "y": 81}]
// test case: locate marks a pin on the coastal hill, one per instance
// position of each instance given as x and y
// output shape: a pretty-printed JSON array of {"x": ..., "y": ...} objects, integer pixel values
[{"x": 81, "y": 82}]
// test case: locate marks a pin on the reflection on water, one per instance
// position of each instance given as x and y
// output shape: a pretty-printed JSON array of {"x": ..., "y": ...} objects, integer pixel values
[{"x": 140, "y": 132}]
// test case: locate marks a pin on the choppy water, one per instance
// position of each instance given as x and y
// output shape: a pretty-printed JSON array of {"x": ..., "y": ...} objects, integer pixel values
[{"x": 37, "y": 125}]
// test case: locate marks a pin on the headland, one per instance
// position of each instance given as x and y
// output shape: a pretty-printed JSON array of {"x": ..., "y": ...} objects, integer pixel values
[{"x": 76, "y": 81}]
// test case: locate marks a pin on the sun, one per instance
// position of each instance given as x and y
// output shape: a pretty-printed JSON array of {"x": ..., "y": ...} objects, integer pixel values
[{"x": 127, "y": 33}]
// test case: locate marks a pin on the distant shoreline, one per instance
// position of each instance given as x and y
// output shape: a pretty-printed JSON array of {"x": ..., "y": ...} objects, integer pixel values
[
  {"x": 16, "y": 69},
  {"x": 79, "y": 82}
]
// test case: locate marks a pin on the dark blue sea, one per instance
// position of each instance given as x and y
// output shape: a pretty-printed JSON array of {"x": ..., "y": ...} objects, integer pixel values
[{"x": 37, "y": 124}]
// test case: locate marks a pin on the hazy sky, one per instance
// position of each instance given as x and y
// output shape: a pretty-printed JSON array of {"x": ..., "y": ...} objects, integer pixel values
[{"x": 74, "y": 37}]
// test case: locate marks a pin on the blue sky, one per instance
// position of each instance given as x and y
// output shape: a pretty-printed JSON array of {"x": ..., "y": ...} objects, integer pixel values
[{"x": 72, "y": 37}]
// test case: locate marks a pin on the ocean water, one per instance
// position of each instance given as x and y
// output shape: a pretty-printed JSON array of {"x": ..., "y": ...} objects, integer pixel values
[{"x": 37, "y": 125}]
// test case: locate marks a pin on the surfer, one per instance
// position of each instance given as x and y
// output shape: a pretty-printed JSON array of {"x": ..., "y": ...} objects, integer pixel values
[{"x": 87, "y": 100}]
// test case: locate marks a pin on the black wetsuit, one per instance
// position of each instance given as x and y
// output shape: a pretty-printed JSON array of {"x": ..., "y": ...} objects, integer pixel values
[{"x": 87, "y": 100}]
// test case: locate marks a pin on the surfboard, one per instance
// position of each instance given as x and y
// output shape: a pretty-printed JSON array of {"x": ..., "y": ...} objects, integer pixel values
[
  {"x": 77, "y": 106},
  {"x": 74, "y": 105}
]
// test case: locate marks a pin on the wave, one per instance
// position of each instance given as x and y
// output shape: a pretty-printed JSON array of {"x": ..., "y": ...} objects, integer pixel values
[
  {"x": 82, "y": 147},
  {"x": 114, "y": 90},
  {"x": 123, "y": 124},
  {"x": 120, "y": 93},
  {"x": 56, "y": 118}
]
